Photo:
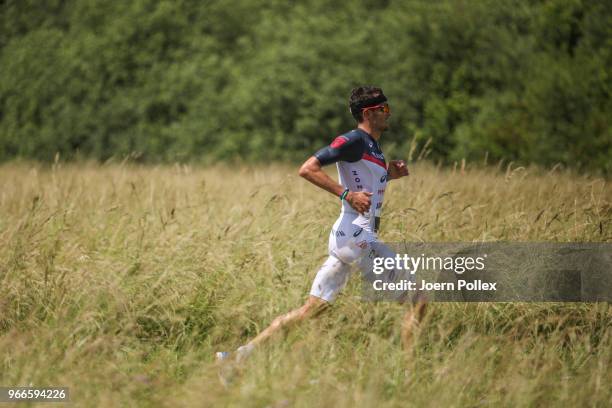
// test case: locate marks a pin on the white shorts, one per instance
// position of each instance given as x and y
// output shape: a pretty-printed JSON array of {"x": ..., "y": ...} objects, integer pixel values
[{"x": 349, "y": 244}]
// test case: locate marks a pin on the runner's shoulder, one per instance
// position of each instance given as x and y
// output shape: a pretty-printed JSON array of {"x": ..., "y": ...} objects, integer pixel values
[
  {"x": 353, "y": 137},
  {"x": 348, "y": 147},
  {"x": 351, "y": 140}
]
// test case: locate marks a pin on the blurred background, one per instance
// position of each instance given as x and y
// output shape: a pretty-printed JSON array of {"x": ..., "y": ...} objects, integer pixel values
[{"x": 206, "y": 81}]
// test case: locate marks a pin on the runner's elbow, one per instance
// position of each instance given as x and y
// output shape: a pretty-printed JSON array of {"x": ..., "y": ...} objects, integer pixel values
[
  {"x": 304, "y": 170},
  {"x": 309, "y": 167}
]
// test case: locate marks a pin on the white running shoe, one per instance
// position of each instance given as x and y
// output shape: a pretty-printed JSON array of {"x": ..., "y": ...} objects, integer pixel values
[
  {"x": 229, "y": 362},
  {"x": 222, "y": 356},
  {"x": 226, "y": 367}
]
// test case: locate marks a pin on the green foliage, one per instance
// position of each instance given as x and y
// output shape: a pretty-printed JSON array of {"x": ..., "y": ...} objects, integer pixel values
[{"x": 189, "y": 80}]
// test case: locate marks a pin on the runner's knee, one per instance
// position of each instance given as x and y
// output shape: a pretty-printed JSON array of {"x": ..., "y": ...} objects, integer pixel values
[{"x": 314, "y": 306}]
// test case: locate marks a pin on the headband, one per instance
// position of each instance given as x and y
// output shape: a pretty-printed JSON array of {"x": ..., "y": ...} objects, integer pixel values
[{"x": 377, "y": 100}]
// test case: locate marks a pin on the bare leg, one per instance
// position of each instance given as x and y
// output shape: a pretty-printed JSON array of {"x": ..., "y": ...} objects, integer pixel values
[
  {"x": 311, "y": 308},
  {"x": 330, "y": 279},
  {"x": 227, "y": 367},
  {"x": 412, "y": 319}
]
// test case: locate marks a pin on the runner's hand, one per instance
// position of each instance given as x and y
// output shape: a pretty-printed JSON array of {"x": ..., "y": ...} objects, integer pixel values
[
  {"x": 360, "y": 201},
  {"x": 397, "y": 169}
]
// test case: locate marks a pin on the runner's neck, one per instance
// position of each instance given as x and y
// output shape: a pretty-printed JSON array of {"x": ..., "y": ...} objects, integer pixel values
[{"x": 366, "y": 128}]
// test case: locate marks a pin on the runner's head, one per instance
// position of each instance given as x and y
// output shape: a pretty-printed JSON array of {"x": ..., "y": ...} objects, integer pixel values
[{"x": 365, "y": 98}]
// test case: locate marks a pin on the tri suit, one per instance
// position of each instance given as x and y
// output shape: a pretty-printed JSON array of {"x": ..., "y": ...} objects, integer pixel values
[{"x": 353, "y": 239}]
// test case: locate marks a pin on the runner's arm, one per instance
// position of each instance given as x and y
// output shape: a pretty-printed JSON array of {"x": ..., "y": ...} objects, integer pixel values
[
  {"x": 343, "y": 148},
  {"x": 312, "y": 171}
]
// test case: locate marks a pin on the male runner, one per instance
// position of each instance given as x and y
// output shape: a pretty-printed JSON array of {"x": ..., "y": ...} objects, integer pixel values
[{"x": 363, "y": 176}]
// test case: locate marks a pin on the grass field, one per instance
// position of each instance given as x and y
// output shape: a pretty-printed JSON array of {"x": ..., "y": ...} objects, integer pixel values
[{"x": 120, "y": 282}]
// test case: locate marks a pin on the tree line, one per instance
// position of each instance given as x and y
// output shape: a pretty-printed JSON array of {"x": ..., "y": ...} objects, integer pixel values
[{"x": 187, "y": 80}]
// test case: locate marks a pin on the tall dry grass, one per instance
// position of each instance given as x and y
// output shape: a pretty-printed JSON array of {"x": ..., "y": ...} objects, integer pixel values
[{"x": 120, "y": 282}]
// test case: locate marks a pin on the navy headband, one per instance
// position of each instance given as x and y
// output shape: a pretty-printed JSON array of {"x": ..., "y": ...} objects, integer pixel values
[{"x": 377, "y": 100}]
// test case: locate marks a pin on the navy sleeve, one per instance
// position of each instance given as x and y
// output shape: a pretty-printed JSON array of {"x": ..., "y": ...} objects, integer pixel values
[{"x": 348, "y": 147}]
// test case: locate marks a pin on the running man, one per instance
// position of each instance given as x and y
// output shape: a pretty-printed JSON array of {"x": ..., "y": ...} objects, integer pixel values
[{"x": 363, "y": 175}]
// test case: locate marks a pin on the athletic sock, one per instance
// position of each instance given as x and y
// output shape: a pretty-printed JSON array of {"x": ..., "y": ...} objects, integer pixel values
[{"x": 244, "y": 351}]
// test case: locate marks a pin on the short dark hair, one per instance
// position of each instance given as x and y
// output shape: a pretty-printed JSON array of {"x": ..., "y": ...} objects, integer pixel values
[{"x": 362, "y": 97}]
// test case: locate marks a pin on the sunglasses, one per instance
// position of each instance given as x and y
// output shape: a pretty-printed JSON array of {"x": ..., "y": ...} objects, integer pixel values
[{"x": 383, "y": 108}]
